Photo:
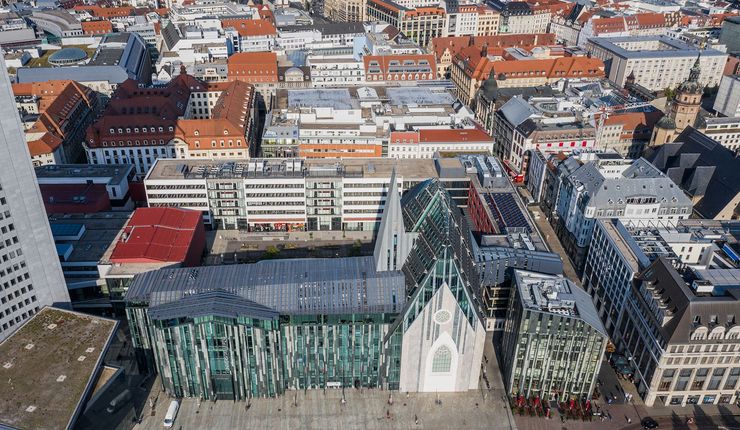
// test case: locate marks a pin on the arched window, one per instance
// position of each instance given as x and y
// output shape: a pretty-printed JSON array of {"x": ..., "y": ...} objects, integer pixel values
[{"x": 442, "y": 360}]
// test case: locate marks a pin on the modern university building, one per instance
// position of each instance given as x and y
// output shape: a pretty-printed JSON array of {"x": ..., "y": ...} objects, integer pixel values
[{"x": 404, "y": 319}]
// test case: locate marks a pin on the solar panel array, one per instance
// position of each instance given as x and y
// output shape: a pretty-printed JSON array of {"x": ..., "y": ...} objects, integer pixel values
[{"x": 509, "y": 213}]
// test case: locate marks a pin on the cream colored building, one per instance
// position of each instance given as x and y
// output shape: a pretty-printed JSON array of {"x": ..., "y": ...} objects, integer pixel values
[
  {"x": 345, "y": 10},
  {"x": 658, "y": 62}
]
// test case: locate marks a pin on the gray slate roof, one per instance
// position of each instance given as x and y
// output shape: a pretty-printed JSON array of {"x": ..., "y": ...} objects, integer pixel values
[
  {"x": 640, "y": 179},
  {"x": 295, "y": 286},
  {"x": 683, "y": 304},
  {"x": 212, "y": 303},
  {"x": 701, "y": 167}
]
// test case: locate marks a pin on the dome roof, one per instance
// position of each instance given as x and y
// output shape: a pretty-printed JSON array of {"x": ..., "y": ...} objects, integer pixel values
[
  {"x": 67, "y": 56},
  {"x": 666, "y": 123},
  {"x": 295, "y": 71},
  {"x": 690, "y": 87}
]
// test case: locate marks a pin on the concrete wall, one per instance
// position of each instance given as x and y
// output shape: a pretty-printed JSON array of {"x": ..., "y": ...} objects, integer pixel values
[{"x": 428, "y": 333}]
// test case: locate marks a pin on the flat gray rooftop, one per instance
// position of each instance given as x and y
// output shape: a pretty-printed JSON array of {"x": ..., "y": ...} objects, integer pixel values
[
  {"x": 294, "y": 286},
  {"x": 101, "y": 231},
  {"x": 414, "y": 96},
  {"x": 338, "y": 99},
  {"x": 118, "y": 173},
  {"x": 673, "y": 48},
  {"x": 48, "y": 366},
  {"x": 308, "y": 168}
]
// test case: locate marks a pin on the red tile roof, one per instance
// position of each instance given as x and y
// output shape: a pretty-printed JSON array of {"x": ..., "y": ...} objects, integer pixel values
[
  {"x": 145, "y": 111},
  {"x": 634, "y": 124},
  {"x": 58, "y": 105},
  {"x": 453, "y": 135},
  {"x": 253, "y": 67},
  {"x": 106, "y": 12},
  {"x": 45, "y": 144},
  {"x": 155, "y": 235},
  {"x": 564, "y": 67},
  {"x": 496, "y": 44},
  {"x": 410, "y": 64},
  {"x": 250, "y": 27},
  {"x": 96, "y": 27},
  {"x": 405, "y": 137}
]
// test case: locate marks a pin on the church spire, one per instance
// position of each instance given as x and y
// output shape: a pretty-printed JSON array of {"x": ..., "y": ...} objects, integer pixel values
[
  {"x": 695, "y": 70},
  {"x": 393, "y": 243}
]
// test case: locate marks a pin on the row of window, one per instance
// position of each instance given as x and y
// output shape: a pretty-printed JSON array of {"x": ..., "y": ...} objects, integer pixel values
[{"x": 128, "y": 130}]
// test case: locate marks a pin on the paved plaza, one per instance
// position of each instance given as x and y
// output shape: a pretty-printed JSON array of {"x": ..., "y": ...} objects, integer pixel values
[
  {"x": 484, "y": 408},
  {"x": 314, "y": 409}
]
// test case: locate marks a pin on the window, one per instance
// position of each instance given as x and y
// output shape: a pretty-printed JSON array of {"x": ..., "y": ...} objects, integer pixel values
[{"x": 442, "y": 360}]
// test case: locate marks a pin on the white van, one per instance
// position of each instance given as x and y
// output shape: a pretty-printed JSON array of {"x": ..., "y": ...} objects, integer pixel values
[{"x": 169, "y": 419}]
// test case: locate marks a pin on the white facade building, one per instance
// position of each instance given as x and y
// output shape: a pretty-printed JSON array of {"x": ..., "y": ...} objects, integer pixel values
[
  {"x": 335, "y": 70},
  {"x": 30, "y": 274},
  {"x": 658, "y": 62},
  {"x": 726, "y": 131},
  {"x": 633, "y": 191},
  {"x": 727, "y": 101},
  {"x": 284, "y": 194}
]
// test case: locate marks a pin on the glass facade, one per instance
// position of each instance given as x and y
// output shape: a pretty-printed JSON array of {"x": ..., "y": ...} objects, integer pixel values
[
  {"x": 554, "y": 357},
  {"x": 553, "y": 341},
  {"x": 240, "y": 357},
  {"x": 441, "y": 254},
  {"x": 235, "y": 332}
]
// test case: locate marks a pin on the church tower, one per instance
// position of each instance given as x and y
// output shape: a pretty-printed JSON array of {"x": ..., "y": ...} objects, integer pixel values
[
  {"x": 687, "y": 101},
  {"x": 682, "y": 110}
]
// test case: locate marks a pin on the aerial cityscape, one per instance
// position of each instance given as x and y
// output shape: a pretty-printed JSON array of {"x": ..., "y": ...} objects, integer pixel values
[{"x": 369, "y": 214}]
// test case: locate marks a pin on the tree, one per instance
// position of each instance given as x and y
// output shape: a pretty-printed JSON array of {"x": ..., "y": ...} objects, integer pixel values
[{"x": 271, "y": 252}]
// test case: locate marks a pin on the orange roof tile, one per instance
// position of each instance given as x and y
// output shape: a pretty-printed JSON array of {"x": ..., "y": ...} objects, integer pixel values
[
  {"x": 454, "y": 135},
  {"x": 563, "y": 67},
  {"x": 46, "y": 144},
  {"x": 404, "y": 137},
  {"x": 250, "y": 27}
]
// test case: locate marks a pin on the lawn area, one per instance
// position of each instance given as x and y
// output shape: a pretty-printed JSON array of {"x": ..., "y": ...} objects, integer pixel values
[{"x": 43, "y": 61}]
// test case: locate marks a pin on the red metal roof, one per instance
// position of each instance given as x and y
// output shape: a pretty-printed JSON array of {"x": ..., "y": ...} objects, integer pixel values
[{"x": 157, "y": 235}]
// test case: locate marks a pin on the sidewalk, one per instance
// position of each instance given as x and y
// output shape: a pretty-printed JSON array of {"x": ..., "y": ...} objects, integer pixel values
[
  {"x": 627, "y": 415},
  {"x": 548, "y": 234}
]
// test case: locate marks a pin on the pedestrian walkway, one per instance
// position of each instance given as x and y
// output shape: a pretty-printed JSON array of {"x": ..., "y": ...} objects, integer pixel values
[{"x": 549, "y": 236}]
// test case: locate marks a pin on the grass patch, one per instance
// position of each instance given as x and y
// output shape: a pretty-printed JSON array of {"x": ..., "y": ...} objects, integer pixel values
[{"x": 43, "y": 61}]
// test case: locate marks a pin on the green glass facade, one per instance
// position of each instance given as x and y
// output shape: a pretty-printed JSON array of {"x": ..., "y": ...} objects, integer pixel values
[
  {"x": 257, "y": 330},
  {"x": 553, "y": 341},
  {"x": 236, "y": 358},
  {"x": 442, "y": 252}
]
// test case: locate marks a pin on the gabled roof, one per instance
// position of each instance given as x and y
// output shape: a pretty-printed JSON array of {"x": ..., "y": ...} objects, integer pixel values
[
  {"x": 393, "y": 243},
  {"x": 702, "y": 167},
  {"x": 157, "y": 235},
  {"x": 682, "y": 306},
  {"x": 558, "y": 68},
  {"x": 297, "y": 286},
  {"x": 212, "y": 303},
  {"x": 250, "y": 27}
]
